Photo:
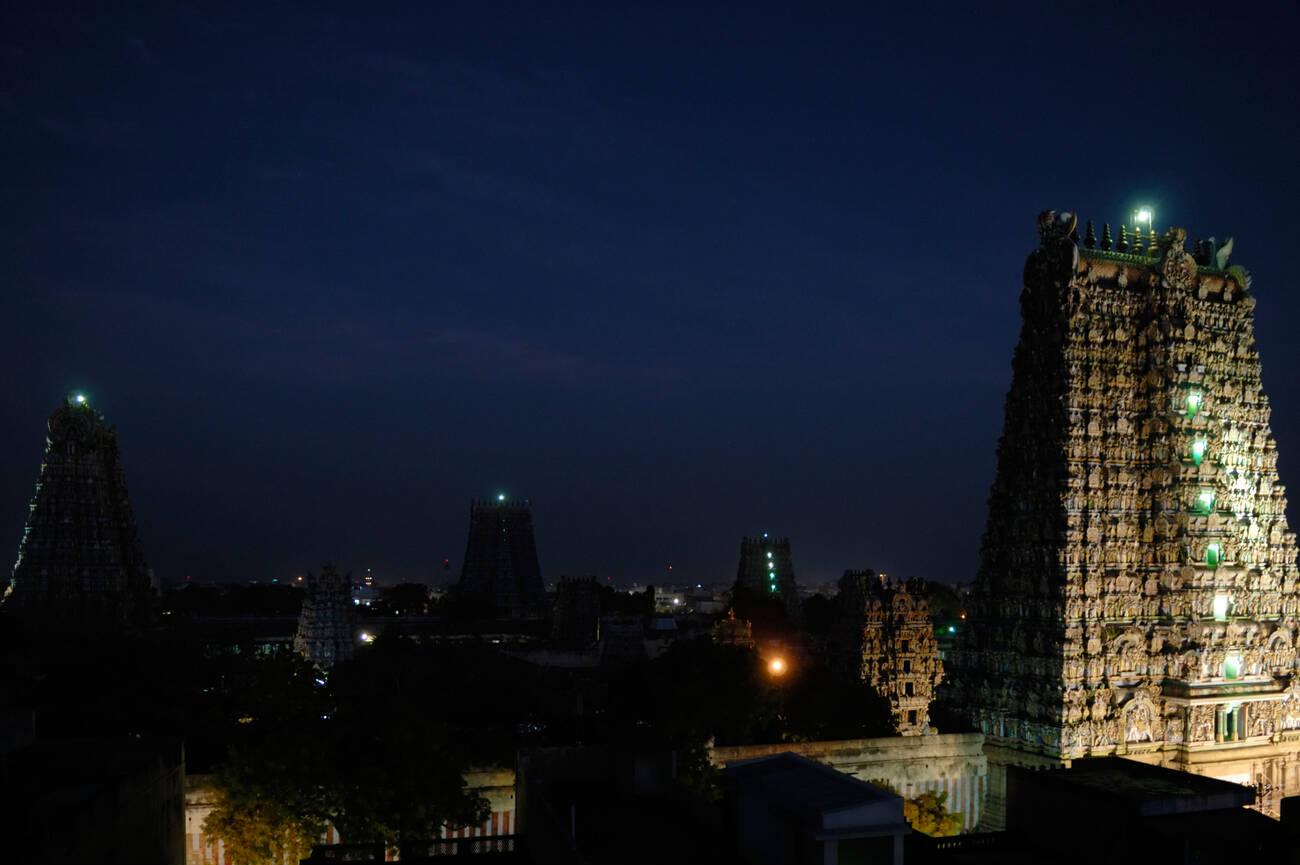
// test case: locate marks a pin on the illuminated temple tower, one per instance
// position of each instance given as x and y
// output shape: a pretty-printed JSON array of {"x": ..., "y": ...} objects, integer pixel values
[
  {"x": 80, "y": 561},
  {"x": 1137, "y": 587},
  {"x": 883, "y": 636},
  {"x": 327, "y": 624},
  {"x": 501, "y": 557},
  {"x": 766, "y": 568}
]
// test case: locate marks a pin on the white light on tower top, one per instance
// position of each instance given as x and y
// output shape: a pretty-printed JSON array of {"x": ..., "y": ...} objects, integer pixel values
[
  {"x": 79, "y": 398},
  {"x": 501, "y": 497}
]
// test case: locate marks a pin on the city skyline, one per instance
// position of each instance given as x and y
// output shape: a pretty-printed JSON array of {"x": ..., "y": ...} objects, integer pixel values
[{"x": 434, "y": 257}]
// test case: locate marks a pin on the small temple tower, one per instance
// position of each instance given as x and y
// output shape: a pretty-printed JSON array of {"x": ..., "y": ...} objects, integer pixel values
[
  {"x": 884, "y": 631},
  {"x": 327, "y": 624},
  {"x": 767, "y": 570},
  {"x": 80, "y": 562},
  {"x": 501, "y": 558}
]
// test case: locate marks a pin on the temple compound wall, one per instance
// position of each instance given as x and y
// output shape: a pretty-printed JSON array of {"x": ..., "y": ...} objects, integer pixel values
[
  {"x": 495, "y": 785},
  {"x": 951, "y": 763},
  {"x": 1137, "y": 589}
]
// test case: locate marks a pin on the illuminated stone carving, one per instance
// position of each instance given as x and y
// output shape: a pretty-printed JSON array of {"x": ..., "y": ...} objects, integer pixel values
[
  {"x": 884, "y": 627},
  {"x": 1137, "y": 587}
]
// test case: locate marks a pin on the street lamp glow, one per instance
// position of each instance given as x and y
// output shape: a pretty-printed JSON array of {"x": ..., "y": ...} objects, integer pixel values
[
  {"x": 367, "y": 637},
  {"x": 776, "y": 666},
  {"x": 1143, "y": 215},
  {"x": 501, "y": 497}
]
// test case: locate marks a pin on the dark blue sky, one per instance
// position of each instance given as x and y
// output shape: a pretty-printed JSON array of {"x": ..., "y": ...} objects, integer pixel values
[{"x": 675, "y": 275}]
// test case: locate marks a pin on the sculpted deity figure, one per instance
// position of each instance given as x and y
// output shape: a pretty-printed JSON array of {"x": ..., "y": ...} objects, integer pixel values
[{"x": 1138, "y": 726}]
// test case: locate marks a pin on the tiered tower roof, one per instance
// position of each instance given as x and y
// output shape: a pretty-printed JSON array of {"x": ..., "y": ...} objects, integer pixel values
[{"x": 80, "y": 560}]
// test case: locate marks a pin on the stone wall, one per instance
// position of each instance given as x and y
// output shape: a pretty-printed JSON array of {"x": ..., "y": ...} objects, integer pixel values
[{"x": 951, "y": 763}]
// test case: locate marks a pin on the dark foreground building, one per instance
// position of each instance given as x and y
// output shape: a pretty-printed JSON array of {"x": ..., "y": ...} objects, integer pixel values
[
  {"x": 1137, "y": 592},
  {"x": 80, "y": 562},
  {"x": 501, "y": 558}
]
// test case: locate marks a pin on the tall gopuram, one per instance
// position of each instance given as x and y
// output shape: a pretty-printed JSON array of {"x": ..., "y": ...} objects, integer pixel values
[
  {"x": 327, "y": 624},
  {"x": 1137, "y": 586},
  {"x": 883, "y": 636},
  {"x": 80, "y": 563},
  {"x": 501, "y": 558},
  {"x": 767, "y": 569}
]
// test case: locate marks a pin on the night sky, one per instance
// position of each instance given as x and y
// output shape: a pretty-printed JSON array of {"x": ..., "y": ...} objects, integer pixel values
[{"x": 676, "y": 276}]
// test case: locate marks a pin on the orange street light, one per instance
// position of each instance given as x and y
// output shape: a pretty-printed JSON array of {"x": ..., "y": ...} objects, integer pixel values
[{"x": 776, "y": 666}]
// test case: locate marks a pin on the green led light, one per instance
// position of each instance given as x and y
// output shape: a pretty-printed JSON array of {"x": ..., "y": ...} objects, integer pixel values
[
  {"x": 1194, "y": 401},
  {"x": 1199, "y": 447},
  {"x": 1232, "y": 666},
  {"x": 1205, "y": 502},
  {"x": 1213, "y": 553}
]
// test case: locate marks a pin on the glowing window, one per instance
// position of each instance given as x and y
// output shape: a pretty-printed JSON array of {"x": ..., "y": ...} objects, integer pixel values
[
  {"x": 1194, "y": 401},
  {"x": 1232, "y": 666},
  {"x": 1199, "y": 447},
  {"x": 1205, "y": 502},
  {"x": 1213, "y": 553},
  {"x": 1222, "y": 603}
]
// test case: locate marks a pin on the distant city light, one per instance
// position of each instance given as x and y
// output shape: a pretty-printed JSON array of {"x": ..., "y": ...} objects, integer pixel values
[
  {"x": 952, "y": 629},
  {"x": 776, "y": 666},
  {"x": 769, "y": 555},
  {"x": 367, "y": 637}
]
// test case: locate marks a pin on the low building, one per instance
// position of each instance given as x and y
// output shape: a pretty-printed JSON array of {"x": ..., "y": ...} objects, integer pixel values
[
  {"x": 1151, "y": 813},
  {"x": 788, "y": 809},
  {"x": 117, "y": 802}
]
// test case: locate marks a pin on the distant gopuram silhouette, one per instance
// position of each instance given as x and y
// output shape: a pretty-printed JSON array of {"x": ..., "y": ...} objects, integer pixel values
[
  {"x": 766, "y": 568},
  {"x": 327, "y": 624},
  {"x": 501, "y": 557},
  {"x": 80, "y": 561},
  {"x": 1137, "y": 589}
]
